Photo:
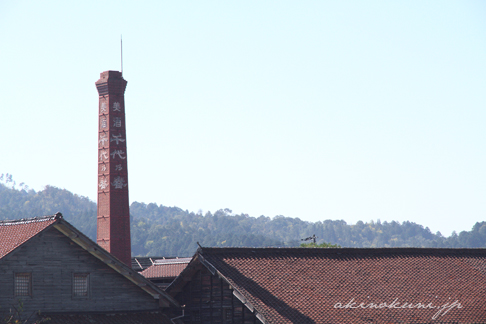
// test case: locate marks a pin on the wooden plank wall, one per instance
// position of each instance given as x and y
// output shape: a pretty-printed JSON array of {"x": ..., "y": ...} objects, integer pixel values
[
  {"x": 52, "y": 258},
  {"x": 209, "y": 300}
]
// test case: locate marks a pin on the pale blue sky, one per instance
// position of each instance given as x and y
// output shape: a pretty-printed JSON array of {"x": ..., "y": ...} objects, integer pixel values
[{"x": 310, "y": 109}]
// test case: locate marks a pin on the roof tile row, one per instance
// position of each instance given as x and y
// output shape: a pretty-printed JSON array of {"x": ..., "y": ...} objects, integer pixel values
[{"x": 302, "y": 285}]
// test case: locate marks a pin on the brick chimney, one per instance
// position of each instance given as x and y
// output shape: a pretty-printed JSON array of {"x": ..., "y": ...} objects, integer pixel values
[{"x": 113, "y": 232}]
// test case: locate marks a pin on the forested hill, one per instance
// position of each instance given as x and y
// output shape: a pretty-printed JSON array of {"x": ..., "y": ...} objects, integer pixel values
[
  {"x": 171, "y": 231},
  {"x": 25, "y": 203}
]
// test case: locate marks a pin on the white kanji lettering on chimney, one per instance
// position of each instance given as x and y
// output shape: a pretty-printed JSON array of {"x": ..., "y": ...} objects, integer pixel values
[
  {"x": 103, "y": 155},
  {"x": 118, "y": 153},
  {"x": 103, "y": 183},
  {"x": 103, "y": 139},
  {"x": 117, "y": 121},
  {"x": 116, "y": 138},
  {"x": 119, "y": 183}
]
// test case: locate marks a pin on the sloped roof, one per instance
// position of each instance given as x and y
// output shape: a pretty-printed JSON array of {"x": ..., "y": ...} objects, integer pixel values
[
  {"x": 14, "y": 233},
  {"x": 142, "y": 263},
  {"x": 315, "y": 285},
  {"x": 166, "y": 268},
  {"x": 108, "y": 318}
]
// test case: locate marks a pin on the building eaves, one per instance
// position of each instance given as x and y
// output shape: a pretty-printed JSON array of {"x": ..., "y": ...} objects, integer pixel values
[
  {"x": 94, "y": 249},
  {"x": 197, "y": 261}
]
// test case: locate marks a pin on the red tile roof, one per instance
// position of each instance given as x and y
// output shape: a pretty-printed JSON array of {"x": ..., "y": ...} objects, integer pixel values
[
  {"x": 142, "y": 263},
  {"x": 168, "y": 268},
  {"x": 108, "y": 318},
  {"x": 315, "y": 285},
  {"x": 16, "y": 232}
]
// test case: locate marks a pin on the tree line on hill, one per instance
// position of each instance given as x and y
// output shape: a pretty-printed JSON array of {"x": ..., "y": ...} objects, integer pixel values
[{"x": 159, "y": 230}]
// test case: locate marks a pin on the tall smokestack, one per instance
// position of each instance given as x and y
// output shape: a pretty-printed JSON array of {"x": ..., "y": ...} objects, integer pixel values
[{"x": 113, "y": 207}]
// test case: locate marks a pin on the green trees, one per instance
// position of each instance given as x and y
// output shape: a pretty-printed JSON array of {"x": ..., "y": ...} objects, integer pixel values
[
  {"x": 22, "y": 203},
  {"x": 171, "y": 231},
  {"x": 159, "y": 230}
]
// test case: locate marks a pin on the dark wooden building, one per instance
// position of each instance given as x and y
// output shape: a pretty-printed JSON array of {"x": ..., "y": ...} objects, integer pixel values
[
  {"x": 342, "y": 285},
  {"x": 48, "y": 266},
  {"x": 209, "y": 298}
]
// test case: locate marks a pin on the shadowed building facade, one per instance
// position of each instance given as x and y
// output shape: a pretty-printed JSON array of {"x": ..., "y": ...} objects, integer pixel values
[
  {"x": 53, "y": 271},
  {"x": 113, "y": 231}
]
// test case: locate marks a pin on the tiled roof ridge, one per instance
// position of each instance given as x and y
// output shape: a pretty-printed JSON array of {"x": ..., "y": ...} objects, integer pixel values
[
  {"x": 37, "y": 219},
  {"x": 339, "y": 251},
  {"x": 329, "y": 249},
  {"x": 172, "y": 261}
]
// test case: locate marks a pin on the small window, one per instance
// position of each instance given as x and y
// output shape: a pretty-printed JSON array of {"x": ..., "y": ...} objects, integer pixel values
[
  {"x": 81, "y": 285},
  {"x": 23, "y": 284}
]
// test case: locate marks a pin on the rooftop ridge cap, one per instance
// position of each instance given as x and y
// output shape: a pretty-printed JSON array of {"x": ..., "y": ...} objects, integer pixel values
[
  {"x": 342, "y": 250},
  {"x": 30, "y": 220},
  {"x": 175, "y": 262}
]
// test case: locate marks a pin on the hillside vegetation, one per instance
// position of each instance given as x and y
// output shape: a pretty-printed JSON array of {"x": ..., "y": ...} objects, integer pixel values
[{"x": 158, "y": 230}]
